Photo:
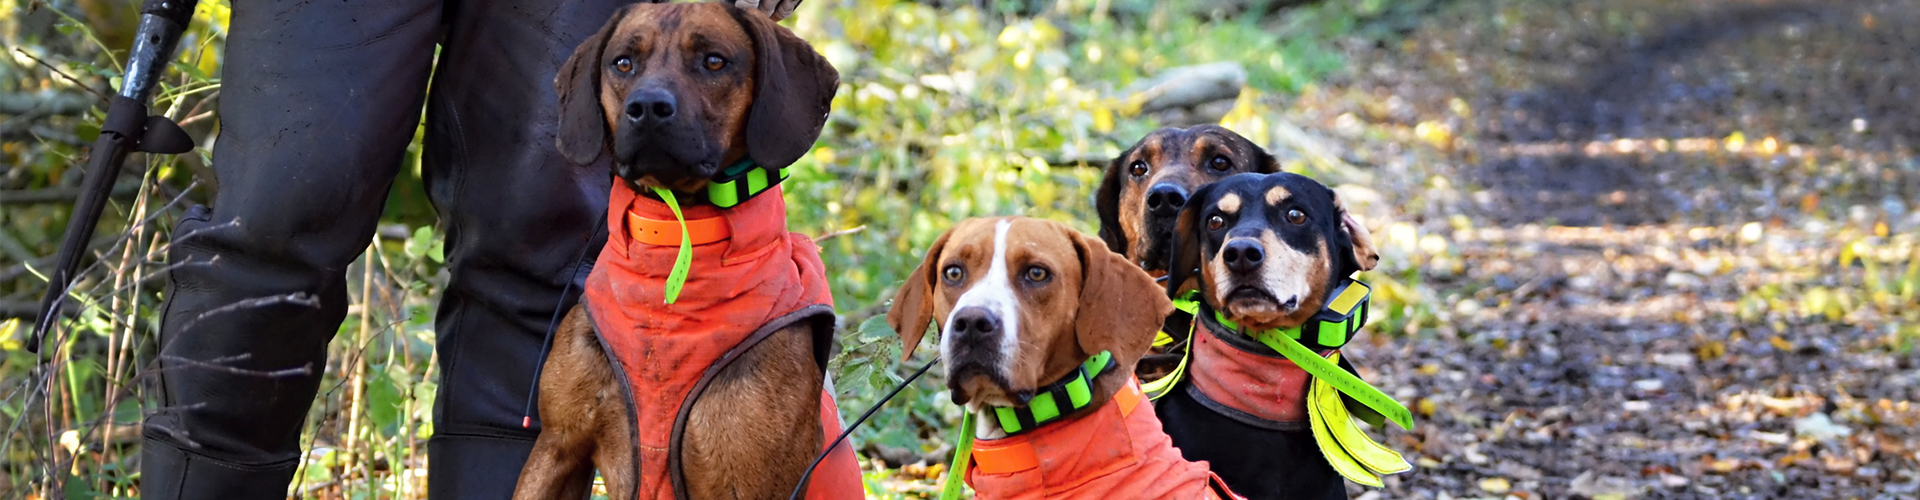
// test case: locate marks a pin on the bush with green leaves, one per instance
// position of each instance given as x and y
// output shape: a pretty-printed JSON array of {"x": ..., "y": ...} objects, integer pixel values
[{"x": 944, "y": 113}]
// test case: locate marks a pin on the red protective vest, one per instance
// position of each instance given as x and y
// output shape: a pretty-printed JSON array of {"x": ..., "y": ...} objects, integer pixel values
[
  {"x": 1117, "y": 451},
  {"x": 1270, "y": 388},
  {"x": 756, "y": 280}
]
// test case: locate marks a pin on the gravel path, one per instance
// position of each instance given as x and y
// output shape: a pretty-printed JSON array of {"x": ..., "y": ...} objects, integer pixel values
[{"x": 1640, "y": 210}]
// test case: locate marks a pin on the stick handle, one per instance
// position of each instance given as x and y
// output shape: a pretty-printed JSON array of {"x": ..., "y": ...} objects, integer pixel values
[{"x": 161, "y": 23}]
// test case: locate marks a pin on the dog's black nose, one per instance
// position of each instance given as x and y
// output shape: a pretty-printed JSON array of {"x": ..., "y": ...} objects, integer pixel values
[
  {"x": 1166, "y": 199},
  {"x": 650, "y": 106},
  {"x": 973, "y": 321},
  {"x": 1243, "y": 255}
]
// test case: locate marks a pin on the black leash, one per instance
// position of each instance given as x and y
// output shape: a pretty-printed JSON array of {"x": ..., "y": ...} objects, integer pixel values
[
  {"x": 559, "y": 309},
  {"x": 856, "y": 424}
]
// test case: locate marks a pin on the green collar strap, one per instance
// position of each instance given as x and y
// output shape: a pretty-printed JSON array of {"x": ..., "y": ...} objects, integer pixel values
[
  {"x": 734, "y": 185},
  {"x": 741, "y": 182},
  {"x": 1076, "y": 389},
  {"x": 1071, "y": 393},
  {"x": 1344, "y": 314},
  {"x": 1188, "y": 303},
  {"x": 1333, "y": 326},
  {"x": 682, "y": 261},
  {"x": 1185, "y": 307},
  {"x": 1186, "y": 310}
]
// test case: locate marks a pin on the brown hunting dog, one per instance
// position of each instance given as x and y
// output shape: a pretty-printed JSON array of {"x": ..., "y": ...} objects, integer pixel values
[
  {"x": 1032, "y": 312},
  {"x": 1144, "y": 190},
  {"x": 1146, "y": 186},
  {"x": 717, "y": 395}
]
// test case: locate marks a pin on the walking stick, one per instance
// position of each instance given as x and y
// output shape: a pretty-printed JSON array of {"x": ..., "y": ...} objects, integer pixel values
[{"x": 128, "y": 128}]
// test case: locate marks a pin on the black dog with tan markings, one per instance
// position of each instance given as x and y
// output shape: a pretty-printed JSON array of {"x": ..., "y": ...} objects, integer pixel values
[{"x": 1268, "y": 252}]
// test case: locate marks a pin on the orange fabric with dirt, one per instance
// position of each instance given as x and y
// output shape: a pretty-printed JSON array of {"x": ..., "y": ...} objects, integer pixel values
[
  {"x": 1269, "y": 387},
  {"x": 737, "y": 285},
  {"x": 1116, "y": 451}
]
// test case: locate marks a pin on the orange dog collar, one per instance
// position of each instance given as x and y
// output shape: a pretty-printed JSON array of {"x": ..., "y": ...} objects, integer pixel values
[{"x": 667, "y": 232}]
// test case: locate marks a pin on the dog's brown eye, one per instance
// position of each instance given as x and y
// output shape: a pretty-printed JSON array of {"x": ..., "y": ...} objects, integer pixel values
[
  {"x": 714, "y": 62},
  {"x": 1296, "y": 217},
  {"x": 1138, "y": 168},
  {"x": 953, "y": 274},
  {"x": 1220, "y": 163},
  {"x": 1216, "y": 222},
  {"x": 1037, "y": 274},
  {"x": 623, "y": 65}
]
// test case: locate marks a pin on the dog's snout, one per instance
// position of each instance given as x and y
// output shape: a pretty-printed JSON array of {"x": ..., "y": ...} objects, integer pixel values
[
  {"x": 1291, "y": 303},
  {"x": 1166, "y": 199},
  {"x": 651, "y": 106},
  {"x": 974, "y": 320},
  {"x": 1243, "y": 255}
]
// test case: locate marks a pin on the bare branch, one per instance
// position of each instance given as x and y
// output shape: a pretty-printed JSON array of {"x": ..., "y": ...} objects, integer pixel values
[
  {"x": 63, "y": 74},
  {"x": 837, "y": 234},
  {"x": 49, "y": 103},
  {"x": 58, "y": 195},
  {"x": 298, "y": 298},
  {"x": 215, "y": 364}
]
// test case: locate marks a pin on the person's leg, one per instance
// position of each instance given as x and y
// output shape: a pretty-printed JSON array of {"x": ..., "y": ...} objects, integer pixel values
[
  {"x": 517, "y": 215},
  {"x": 318, "y": 103}
]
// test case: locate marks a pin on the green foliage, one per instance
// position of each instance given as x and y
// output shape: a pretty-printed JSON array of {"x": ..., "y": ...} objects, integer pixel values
[
  {"x": 943, "y": 114},
  {"x": 956, "y": 113}
]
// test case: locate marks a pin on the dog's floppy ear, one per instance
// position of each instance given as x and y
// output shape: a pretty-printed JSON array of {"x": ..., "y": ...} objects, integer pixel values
[
  {"x": 1106, "y": 202},
  {"x": 583, "y": 134},
  {"x": 793, "y": 90},
  {"x": 1120, "y": 305},
  {"x": 1183, "y": 252},
  {"x": 913, "y": 305},
  {"x": 1364, "y": 257},
  {"x": 1264, "y": 162}
]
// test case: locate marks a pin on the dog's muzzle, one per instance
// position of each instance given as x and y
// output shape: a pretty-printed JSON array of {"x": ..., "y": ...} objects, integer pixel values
[{"x": 975, "y": 335}]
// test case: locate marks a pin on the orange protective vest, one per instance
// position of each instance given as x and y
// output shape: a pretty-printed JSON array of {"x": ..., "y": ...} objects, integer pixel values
[
  {"x": 753, "y": 279},
  {"x": 1117, "y": 451},
  {"x": 1269, "y": 388}
]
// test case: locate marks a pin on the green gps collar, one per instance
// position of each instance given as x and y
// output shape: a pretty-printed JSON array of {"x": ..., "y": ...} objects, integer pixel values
[
  {"x": 741, "y": 182},
  {"x": 1070, "y": 394},
  {"x": 1329, "y": 329},
  {"x": 734, "y": 185}
]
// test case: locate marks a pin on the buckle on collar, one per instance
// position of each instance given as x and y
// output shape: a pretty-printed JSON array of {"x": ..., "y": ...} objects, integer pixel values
[
  {"x": 1071, "y": 393},
  {"x": 741, "y": 182}
]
